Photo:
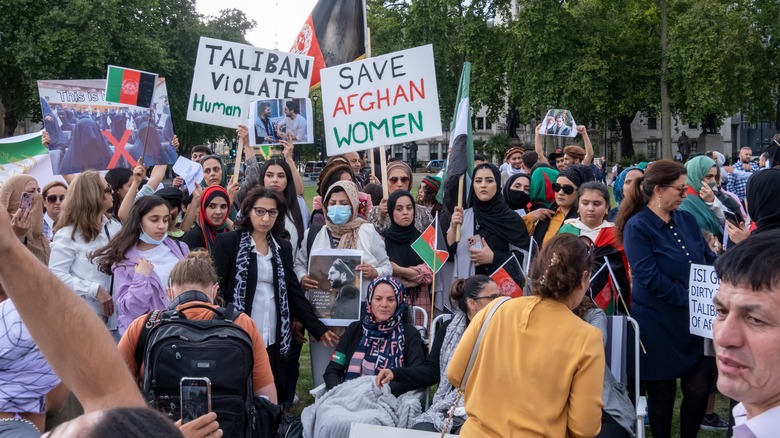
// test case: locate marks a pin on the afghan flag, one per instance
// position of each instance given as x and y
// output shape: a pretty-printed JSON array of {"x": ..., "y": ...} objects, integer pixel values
[
  {"x": 334, "y": 33},
  {"x": 24, "y": 154},
  {"x": 432, "y": 247},
  {"x": 510, "y": 278},
  {"x": 460, "y": 158},
  {"x": 131, "y": 87},
  {"x": 610, "y": 281}
]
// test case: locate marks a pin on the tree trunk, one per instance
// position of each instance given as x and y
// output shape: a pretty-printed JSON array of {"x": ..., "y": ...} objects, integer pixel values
[
  {"x": 626, "y": 140},
  {"x": 777, "y": 115},
  {"x": 666, "y": 113},
  {"x": 10, "y": 124}
]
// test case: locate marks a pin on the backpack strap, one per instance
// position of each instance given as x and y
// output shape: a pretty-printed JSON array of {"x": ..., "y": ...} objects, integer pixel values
[
  {"x": 188, "y": 296},
  {"x": 152, "y": 319}
]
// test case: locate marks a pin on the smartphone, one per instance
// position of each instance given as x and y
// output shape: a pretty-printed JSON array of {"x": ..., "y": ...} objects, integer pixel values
[
  {"x": 195, "y": 397},
  {"x": 731, "y": 217},
  {"x": 25, "y": 204},
  {"x": 475, "y": 242}
]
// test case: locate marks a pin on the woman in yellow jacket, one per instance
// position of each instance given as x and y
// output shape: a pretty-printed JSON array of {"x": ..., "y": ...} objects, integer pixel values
[{"x": 540, "y": 368}]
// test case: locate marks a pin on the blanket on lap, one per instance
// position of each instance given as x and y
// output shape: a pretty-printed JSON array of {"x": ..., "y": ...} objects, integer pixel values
[{"x": 359, "y": 401}]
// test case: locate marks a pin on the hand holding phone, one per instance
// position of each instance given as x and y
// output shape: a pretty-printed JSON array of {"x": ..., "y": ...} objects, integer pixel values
[
  {"x": 25, "y": 204},
  {"x": 195, "y": 395},
  {"x": 731, "y": 217},
  {"x": 475, "y": 242}
]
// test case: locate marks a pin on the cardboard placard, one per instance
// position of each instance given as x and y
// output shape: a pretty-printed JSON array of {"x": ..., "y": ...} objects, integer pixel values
[
  {"x": 337, "y": 299},
  {"x": 380, "y": 101},
  {"x": 230, "y": 75},
  {"x": 702, "y": 285}
]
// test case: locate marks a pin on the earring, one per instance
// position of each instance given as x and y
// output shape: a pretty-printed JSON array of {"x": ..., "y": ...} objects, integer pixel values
[{"x": 659, "y": 202}]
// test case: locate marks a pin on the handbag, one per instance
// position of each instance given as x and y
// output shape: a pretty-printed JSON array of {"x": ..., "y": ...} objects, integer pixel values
[
  {"x": 266, "y": 418},
  {"x": 472, "y": 359}
]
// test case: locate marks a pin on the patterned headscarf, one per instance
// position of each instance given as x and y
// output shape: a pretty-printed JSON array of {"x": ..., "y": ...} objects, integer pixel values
[{"x": 382, "y": 345}]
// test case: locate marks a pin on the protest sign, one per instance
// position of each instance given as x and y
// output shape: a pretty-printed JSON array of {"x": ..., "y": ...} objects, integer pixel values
[
  {"x": 337, "y": 298},
  {"x": 703, "y": 283},
  {"x": 273, "y": 120},
  {"x": 190, "y": 171},
  {"x": 381, "y": 101},
  {"x": 559, "y": 123},
  {"x": 88, "y": 132},
  {"x": 230, "y": 75}
]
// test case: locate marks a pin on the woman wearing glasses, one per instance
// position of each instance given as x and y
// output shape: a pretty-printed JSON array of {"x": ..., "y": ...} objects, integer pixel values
[
  {"x": 141, "y": 256},
  {"x": 490, "y": 231},
  {"x": 399, "y": 177},
  {"x": 255, "y": 267},
  {"x": 471, "y": 296},
  {"x": 83, "y": 227},
  {"x": 53, "y": 195},
  {"x": 565, "y": 207},
  {"x": 661, "y": 243}
]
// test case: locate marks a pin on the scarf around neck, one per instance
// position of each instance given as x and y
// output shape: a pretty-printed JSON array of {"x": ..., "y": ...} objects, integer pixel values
[
  {"x": 494, "y": 216},
  {"x": 382, "y": 344},
  {"x": 348, "y": 233}
]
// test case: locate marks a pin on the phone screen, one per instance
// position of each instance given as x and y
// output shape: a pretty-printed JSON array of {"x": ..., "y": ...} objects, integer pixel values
[{"x": 195, "y": 398}]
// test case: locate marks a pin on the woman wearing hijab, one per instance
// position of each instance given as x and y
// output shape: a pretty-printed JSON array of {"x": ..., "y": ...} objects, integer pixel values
[
  {"x": 762, "y": 196},
  {"x": 344, "y": 229},
  {"x": 491, "y": 231},
  {"x": 212, "y": 219},
  {"x": 28, "y": 225},
  {"x": 516, "y": 193},
  {"x": 382, "y": 340},
  {"x": 88, "y": 149},
  {"x": 399, "y": 177},
  {"x": 337, "y": 170},
  {"x": 215, "y": 174},
  {"x": 622, "y": 186},
  {"x": 255, "y": 269},
  {"x": 701, "y": 201},
  {"x": 407, "y": 264},
  {"x": 59, "y": 141}
]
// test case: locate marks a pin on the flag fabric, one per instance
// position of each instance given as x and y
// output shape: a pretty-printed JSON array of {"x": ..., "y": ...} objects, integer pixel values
[
  {"x": 460, "y": 158},
  {"x": 334, "y": 33},
  {"x": 510, "y": 278},
  {"x": 131, "y": 87},
  {"x": 431, "y": 246},
  {"x": 24, "y": 154}
]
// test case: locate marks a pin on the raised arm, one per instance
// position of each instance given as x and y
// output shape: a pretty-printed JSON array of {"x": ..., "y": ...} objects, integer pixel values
[
  {"x": 129, "y": 200},
  {"x": 582, "y": 130},
  {"x": 539, "y": 145},
  {"x": 287, "y": 151},
  {"x": 49, "y": 309}
]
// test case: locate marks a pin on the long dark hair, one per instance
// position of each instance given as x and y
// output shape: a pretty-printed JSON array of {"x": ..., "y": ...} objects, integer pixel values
[
  {"x": 116, "y": 178},
  {"x": 658, "y": 174},
  {"x": 245, "y": 223},
  {"x": 290, "y": 195},
  {"x": 114, "y": 252}
]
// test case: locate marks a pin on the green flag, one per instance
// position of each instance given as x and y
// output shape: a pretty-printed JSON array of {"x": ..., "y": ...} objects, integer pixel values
[{"x": 460, "y": 157}]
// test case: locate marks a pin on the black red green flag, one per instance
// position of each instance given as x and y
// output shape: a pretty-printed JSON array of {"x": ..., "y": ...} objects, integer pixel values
[
  {"x": 334, "y": 33},
  {"x": 431, "y": 246},
  {"x": 510, "y": 278},
  {"x": 131, "y": 87}
]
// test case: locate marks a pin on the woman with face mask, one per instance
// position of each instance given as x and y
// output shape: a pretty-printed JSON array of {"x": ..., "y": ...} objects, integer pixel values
[
  {"x": 516, "y": 193},
  {"x": 701, "y": 201},
  {"x": 344, "y": 229},
  {"x": 212, "y": 219},
  {"x": 140, "y": 258}
]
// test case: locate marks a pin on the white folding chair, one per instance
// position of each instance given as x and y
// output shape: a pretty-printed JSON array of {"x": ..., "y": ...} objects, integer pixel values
[{"x": 615, "y": 351}]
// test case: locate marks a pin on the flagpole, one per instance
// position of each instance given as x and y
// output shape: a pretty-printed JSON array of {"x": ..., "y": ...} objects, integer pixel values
[
  {"x": 146, "y": 137},
  {"x": 239, "y": 154},
  {"x": 460, "y": 204},
  {"x": 368, "y": 55},
  {"x": 433, "y": 278}
]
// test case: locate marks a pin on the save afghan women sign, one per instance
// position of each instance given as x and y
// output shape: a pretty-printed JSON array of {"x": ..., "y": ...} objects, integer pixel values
[
  {"x": 230, "y": 75},
  {"x": 381, "y": 101}
]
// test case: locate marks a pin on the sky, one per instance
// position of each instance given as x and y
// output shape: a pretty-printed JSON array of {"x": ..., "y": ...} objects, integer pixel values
[{"x": 278, "y": 21}]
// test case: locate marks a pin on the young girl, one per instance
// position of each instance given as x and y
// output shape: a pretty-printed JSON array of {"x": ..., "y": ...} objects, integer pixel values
[
  {"x": 141, "y": 257},
  {"x": 610, "y": 286}
]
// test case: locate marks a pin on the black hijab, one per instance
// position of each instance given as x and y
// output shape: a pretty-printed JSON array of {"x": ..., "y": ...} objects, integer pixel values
[
  {"x": 494, "y": 217},
  {"x": 763, "y": 199},
  {"x": 88, "y": 149},
  {"x": 516, "y": 199},
  {"x": 398, "y": 239}
]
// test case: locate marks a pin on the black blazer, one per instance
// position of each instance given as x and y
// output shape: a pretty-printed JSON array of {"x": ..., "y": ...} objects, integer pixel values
[{"x": 224, "y": 255}]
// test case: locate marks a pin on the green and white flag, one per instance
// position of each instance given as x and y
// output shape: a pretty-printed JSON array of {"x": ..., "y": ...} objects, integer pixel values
[{"x": 24, "y": 154}]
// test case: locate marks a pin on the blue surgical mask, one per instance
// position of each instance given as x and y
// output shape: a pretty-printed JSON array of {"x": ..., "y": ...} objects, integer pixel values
[
  {"x": 148, "y": 239},
  {"x": 339, "y": 214}
]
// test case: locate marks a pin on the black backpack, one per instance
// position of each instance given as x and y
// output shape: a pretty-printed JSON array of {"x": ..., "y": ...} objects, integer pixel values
[{"x": 173, "y": 347}]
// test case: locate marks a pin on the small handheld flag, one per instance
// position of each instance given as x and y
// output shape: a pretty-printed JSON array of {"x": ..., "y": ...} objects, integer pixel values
[
  {"x": 131, "y": 87},
  {"x": 432, "y": 247},
  {"x": 510, "y": 278}
]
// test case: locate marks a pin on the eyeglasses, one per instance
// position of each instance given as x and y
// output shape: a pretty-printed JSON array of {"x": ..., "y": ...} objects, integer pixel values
[
  {"x": 567, "y": 189},
  {"x": 394, "y": 179},
  {"x": 489, "y": 297},
  {"x": 260, "y": 212},
  {"x": 682, "y": 189},
  {"x": 51, "y": 199},
  {"x": 107, "y": 190},
  {"x": 212, "y": 156}
]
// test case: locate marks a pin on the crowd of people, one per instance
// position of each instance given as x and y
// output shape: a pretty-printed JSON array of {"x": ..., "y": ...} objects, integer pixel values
[{"x": 121, "y": 247}]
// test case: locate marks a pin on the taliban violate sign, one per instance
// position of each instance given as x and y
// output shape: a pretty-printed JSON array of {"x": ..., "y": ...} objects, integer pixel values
[
  {"x": 381, "y": 101},
  {"x": 229, "y": 75}
]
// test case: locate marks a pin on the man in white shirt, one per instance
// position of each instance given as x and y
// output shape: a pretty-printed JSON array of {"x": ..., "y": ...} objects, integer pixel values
[
  {"x": 746, "y": 333},
  {"x": 293, "y": 127},
  {"x": 53, "y": 195}
]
